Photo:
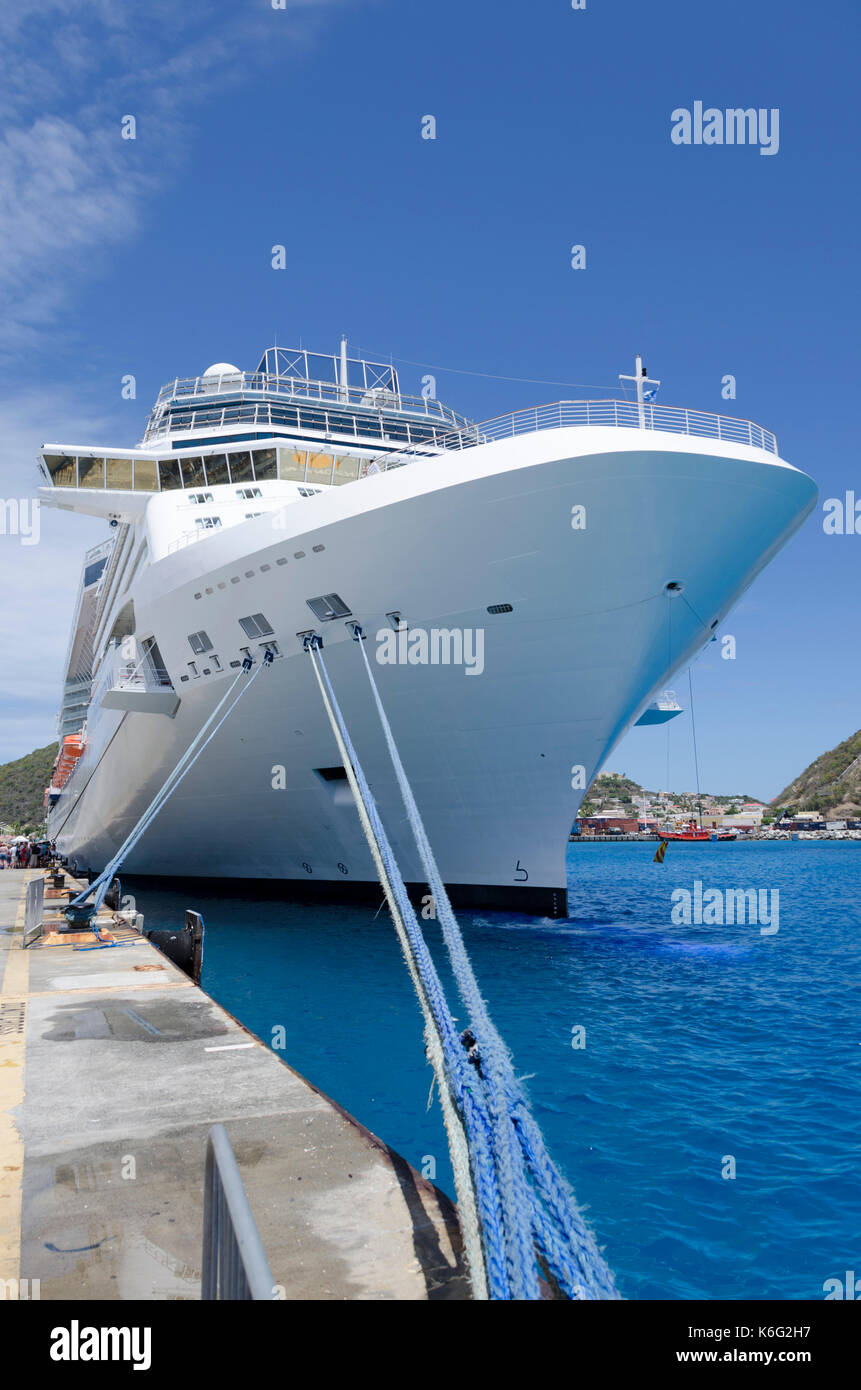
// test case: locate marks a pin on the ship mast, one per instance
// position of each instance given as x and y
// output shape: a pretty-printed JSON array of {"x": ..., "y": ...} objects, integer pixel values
[{"x": 640, "y": 380}]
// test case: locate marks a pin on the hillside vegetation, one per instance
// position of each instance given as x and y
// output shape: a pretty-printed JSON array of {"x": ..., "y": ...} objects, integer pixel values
[
  {"x": 22, "y": 789},
  {"x": 831, "y": 784}
]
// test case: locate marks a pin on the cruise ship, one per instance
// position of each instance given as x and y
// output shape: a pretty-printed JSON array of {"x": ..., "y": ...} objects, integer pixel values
[{"x": 527, "y": 586}]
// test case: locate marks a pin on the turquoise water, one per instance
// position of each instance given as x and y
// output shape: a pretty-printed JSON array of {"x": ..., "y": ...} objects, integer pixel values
[{"x": 703, "y": 1043}]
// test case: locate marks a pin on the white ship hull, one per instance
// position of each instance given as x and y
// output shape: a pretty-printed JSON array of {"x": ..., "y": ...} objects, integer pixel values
[{"x": 591, "y": 637}]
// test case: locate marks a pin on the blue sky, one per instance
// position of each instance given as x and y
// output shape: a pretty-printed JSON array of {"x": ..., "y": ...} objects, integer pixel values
[{"x": 258, "y": 126}]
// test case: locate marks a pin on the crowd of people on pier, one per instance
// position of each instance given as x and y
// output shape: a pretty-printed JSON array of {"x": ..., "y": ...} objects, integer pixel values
[{"x": 23, "y": 853}]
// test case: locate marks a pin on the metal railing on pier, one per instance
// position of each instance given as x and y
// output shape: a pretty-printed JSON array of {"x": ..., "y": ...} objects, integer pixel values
[{"x": 234, "y": 1262}]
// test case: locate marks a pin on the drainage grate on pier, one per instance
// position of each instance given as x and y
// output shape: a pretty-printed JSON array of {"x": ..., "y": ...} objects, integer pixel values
[{"x": 12, "y": 1019}]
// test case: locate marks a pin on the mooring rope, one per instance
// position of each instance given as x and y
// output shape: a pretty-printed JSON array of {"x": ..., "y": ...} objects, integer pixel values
[
  {"x": 586, "y": 1265},
  {"x": 522, "y": 1204},
  {"x": 204, "y": 736},
  {"x": 427, "y": 986}
]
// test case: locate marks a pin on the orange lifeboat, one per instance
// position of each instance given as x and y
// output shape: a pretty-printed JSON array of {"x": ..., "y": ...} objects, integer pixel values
[{"x": 70, "y": 751}]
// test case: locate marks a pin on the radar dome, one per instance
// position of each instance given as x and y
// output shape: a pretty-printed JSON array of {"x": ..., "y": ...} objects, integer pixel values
[{"x": 221, "y": 369}]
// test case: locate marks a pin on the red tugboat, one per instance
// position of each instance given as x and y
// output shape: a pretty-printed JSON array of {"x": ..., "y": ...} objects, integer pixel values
[{"x": 691, "y": 832}]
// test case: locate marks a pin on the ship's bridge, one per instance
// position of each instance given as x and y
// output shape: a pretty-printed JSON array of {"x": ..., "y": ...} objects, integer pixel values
[{"x": 297, "y": 393}]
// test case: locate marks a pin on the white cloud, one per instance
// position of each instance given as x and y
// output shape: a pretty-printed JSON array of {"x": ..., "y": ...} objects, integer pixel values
[
  {"x": 69, "y": 72},
  {"x": 70, "y": 187}
]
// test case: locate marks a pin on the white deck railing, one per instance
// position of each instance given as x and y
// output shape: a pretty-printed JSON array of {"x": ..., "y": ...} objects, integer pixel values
[{"x": 617, "y": 414}]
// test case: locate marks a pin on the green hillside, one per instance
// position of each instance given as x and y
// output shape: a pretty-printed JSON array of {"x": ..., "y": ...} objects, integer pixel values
[
  {"x": 831, "y": 784},
  {"x": 22, "y": 788}
]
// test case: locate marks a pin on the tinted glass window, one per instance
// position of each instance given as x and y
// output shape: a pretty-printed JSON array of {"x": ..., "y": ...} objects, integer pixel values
[
  {"x": 216, "y": 469},
  {"x": 146, "y": 478},
  {"x": 346, "y": 468},
  {"x": 293, "y": 464},
  {"x": 119, "y": 473},
  {"x": 192, "y": 472},
  {"x": 168, "y": 472},
  {"x": 62, "y": 469},
  {"x": 265, "y": 464},
  {"x": 319, "y": 467},
  {"x": 91, "y": 472},
  {"x": 240, "y": 468}
]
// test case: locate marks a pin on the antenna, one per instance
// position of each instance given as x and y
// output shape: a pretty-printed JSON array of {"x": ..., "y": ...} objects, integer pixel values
[
  {"x": 640, "y": 380},
  {"x": 345, "y": 386}
]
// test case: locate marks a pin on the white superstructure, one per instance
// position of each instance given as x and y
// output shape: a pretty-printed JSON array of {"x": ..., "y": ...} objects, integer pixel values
[{"x": 527, "y": 585}]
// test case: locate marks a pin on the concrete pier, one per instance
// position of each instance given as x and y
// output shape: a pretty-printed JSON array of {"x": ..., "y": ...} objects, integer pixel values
[{"x": 113, "y": 1067}]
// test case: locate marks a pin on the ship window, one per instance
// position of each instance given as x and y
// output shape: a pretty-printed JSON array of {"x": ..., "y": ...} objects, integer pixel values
[
  {"x": 207, "y": 523},
  {"x": 248, "y": 492},
  {"x": 63, "y": 470},
  {"x": 240, "y": 468},
  {"x": 282, "y": 561},
  {"x": 322, "y": 463},
  {"x": 216, "y": 470},
  {"x": 94, "y": 571},
  {"x": 327, "y": 607},
  {"x": 91, "y": 472},
  {"x": 199, "y": 642},
  {"x": 265, "y": 464},
  {"x": 317, "y": 548},
  {"x": 199, "y": 497},
  {"x": 146, "y": 476},
  {"x": 250, "y": 515},
  {"x": 168, "y": 472},
  {"x": 499, "y": 608},
  {"x": 256, "y": 626},
  {"x": 293, "y": 464},
  {"x": 192, "y": 472},
  {"x": 346, "y": 469},
  {"x": 119, "y": 473},
  {"x": 264, "y": 569}
]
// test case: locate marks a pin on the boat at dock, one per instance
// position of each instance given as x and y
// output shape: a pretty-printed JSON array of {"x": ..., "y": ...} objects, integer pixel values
[
  {"x": 691, "y": 832},
  {"x": 312, "y": 494}
]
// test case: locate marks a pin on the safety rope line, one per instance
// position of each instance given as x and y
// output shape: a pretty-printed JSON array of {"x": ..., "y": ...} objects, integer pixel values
[
  {"x": 575, "y": 1262},
  {"x": 521, "y": 1203},
  {"x": 202, "y": 738}
]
